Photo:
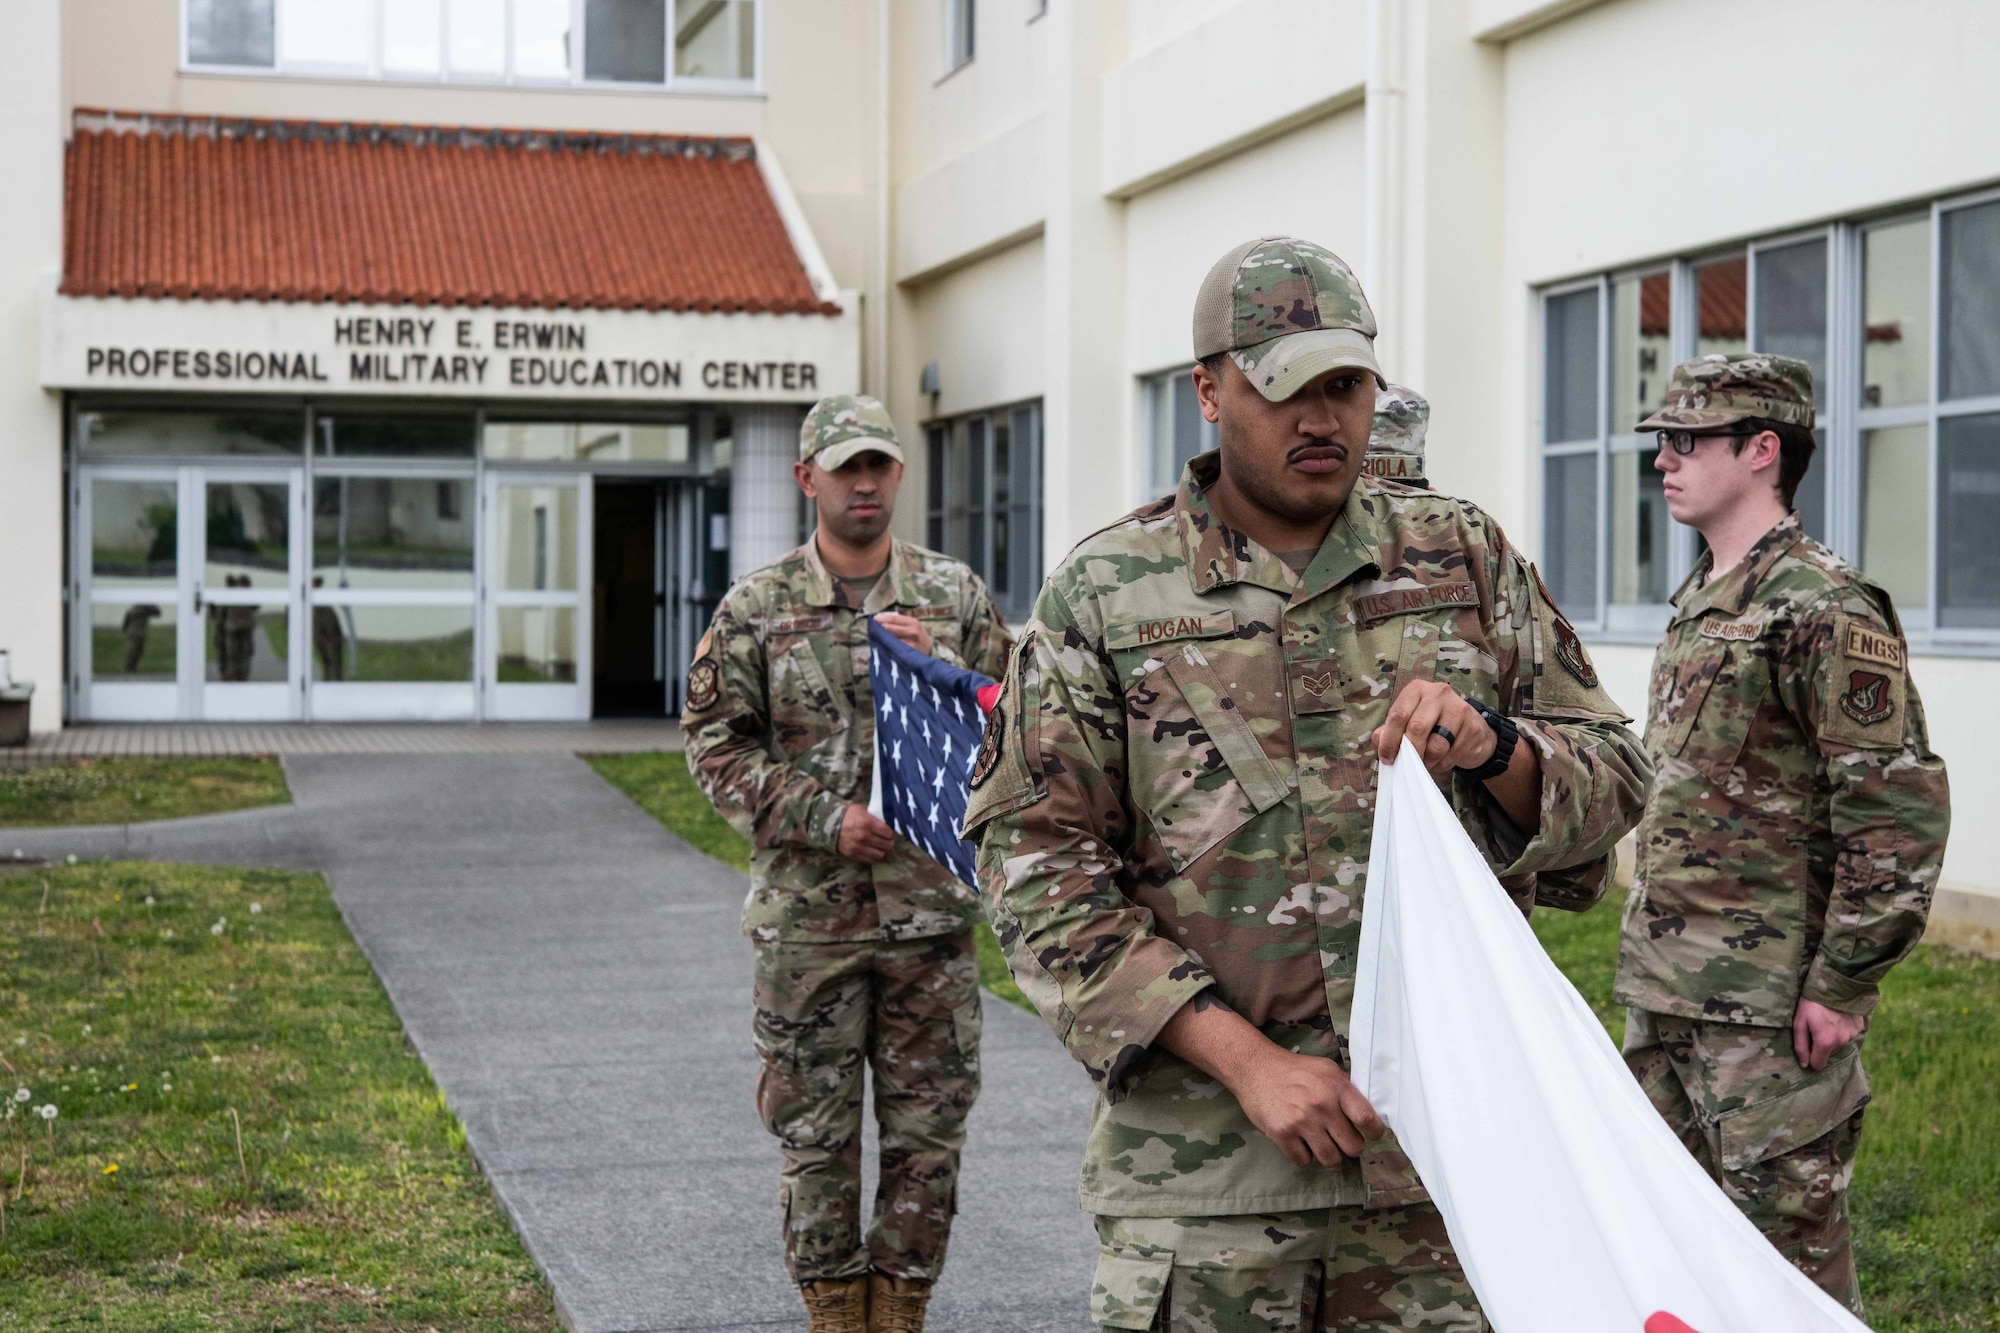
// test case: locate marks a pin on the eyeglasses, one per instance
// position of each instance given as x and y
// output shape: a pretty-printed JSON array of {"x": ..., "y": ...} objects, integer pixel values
[{"x": 1683, "y": 442}]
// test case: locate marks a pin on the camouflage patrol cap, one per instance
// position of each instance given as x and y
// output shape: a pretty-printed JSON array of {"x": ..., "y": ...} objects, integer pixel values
[
  {"x": 1396, "y": 440},
  {"x": 1719, "y": 390},
  {"x": 1288, "y": 311},
  {"x": 845, "y": 425}
]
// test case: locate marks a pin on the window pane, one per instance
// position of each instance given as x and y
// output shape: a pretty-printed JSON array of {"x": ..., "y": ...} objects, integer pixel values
[
  {"x": 1639, "y": 527},
  {"x": 1791, "y": 305},
  {"x": 563, "y": 441},
  {"x": 248, "y": 643},
  {"x": 1025, "y": 502},
  {"x": 934, "y": 487},
  {"x": 535, "y": 539},
  {"x": 130, "y": 434},
  {"x": 1003, "y": 475},
  {"x": 973, "y": 552},
  {"x": 536, "y": 645},
  {"x": 625, "y": 40},
  {"x": 389, "y": 532},
  {"x": 1641, "y": 356},
  {"x": 1969, "y": 514},
  {"x": 327, "y": 32},
  {"x": 395, "y": 437},
  {"x": 231, "y": 32},
  {"x": 1896, "y": 314},
  {"x": 1569, "y": 542},
  {"x": 412, "y": 37},
  {"x": 478, "y": 37},
  {"x": 1810, "y": 498},
  {"x": 541, "y": 39},
  {"x": 715, "y": 39},
  {"x": 133, "y": 535},
  {"x": 248, "y": 543},
  {"x": 1570, "y": 384},
  {"x": 960, "y": 28},
  {"x": 1192, "y": 434},
  {"x": 1970, "y": 288},
  {"x": 1720, "y": 296},
  {"x": 1895, "y": 519},
  {"x": 392, "y": 643},
  {"x": 134, "y": 642}
]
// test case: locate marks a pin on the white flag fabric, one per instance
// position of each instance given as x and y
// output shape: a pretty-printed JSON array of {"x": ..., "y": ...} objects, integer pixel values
[{"x": 1572, "y": 1206}]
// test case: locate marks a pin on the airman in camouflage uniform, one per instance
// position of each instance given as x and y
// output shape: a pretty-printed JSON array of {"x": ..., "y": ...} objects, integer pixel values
[
  {"x": 1396, "y": 444},
  {"x": 855, "y": 962},
  {"x": 1175, "y": 813},
  {"x": 1792, "y": 842}
]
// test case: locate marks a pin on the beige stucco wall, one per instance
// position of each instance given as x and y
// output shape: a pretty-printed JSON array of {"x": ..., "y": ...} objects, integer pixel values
[{"x": 31, "y": 489}]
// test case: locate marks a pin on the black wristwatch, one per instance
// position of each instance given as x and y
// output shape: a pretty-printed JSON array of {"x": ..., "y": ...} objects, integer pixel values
[{"x": 1505, "y": 736}]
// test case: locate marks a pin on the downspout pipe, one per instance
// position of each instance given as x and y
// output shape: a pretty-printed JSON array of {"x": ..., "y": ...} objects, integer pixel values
[{"x": 1382, "y": 258}]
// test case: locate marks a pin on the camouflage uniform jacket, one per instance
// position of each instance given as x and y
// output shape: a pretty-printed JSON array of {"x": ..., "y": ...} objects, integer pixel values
[
  {"x": 780, "y": 728},
  {"x": 1179, "y": 794},
  {"x": 1798, "y": 817}
]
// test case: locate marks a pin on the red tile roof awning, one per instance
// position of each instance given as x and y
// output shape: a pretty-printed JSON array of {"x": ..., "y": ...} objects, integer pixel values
[{"x": 230, "y": 209}]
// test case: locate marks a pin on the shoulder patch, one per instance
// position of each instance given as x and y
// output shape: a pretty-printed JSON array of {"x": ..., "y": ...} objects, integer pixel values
[
  {"x": 704, "y": 683},
  {"x": 1569, "y": 651},
  {"x": 1867, "y": 698},
  {"x": 989, "y": 744},
  {"x": 1868, "y": 644}
]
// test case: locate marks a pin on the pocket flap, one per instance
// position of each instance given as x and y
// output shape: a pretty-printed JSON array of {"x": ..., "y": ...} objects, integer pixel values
[
  {"x": 1129, "y": 1287},
  {"x": 1792, "y": 1119}
]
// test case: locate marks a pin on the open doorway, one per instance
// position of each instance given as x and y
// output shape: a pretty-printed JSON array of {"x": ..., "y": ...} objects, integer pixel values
[{"x": 662, "y": 563}]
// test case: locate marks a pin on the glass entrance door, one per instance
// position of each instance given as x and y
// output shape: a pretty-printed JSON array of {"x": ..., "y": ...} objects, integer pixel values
[
  {"x": 246, "y": 594},
  {"x": 189, "y": 577},
  {"x": 537, "y": 660}
]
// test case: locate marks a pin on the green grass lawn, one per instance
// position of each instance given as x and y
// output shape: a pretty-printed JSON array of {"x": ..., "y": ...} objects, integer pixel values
[
  {"x": 660, "y": 784},
  {"x": 157, "y": 1009},
  {"x": 125, "y": 791},
  {"x": 1926, "y": 1191}
]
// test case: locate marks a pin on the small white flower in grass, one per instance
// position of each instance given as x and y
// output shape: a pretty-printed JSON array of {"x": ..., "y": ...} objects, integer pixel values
[
  {"x": 46, "y": 1112},
  {"x": 22, "y": 1094},
  {"x": 256, "y": 908},
  {"x": 86, "y": 1029},
  {"x": 149, "y": 900},
  {"x": 72, "y": 858},
  {"x": 215, "y": 929},
  {"x": 167, "y": 934}
]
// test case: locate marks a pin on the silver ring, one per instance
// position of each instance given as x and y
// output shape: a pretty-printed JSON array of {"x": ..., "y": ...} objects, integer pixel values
[{"x": 1442, "y": 730}]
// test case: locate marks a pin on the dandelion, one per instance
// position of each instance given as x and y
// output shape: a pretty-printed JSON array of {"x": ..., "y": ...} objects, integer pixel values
[
  {"x": 215, "y": 929},
  {"x": 22, "y": 1094},
  {"x": 111, "y": 1170},
  {"x": 46, "y": 1112},
  {"x": 149, "y": 900},
  {"x": 167, "y": 934},
  {"x": 215, "y": 1059},
  {"x": 131, "y": 1087},
  {"x": 256, "y": 908},
  {"x": 166, "y": 1087},
  {"x": 86, "y": 1029},
  {"x": 71, "y": 858}
]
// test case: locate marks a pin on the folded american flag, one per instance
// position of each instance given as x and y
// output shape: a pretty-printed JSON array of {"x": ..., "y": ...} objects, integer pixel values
[{"x": 928, "y": 719}]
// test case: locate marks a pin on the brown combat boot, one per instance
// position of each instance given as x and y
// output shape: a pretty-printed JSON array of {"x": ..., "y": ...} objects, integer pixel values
[
  {"x": 836, "y": 1307},
  {"x": 896, "y": 1304}
]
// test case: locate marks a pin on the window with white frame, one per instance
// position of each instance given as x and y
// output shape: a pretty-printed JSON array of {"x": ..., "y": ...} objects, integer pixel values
[
  {"x": 1899, "y": 317},
  {"x": 959, "y": 32},
  {"x": 684, "y": 45},
  {"x": 983, "y": 484},
  {"x": 1175, "y": 430}
]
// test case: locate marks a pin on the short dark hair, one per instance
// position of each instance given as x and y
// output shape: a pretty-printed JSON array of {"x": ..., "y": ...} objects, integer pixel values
[
  {"x": 1796, "y": 446},
  {"x": 1212, "y": 363}
]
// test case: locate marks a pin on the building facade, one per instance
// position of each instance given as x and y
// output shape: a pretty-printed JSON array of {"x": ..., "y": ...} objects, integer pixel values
[{"x": 1008, "y": 205}]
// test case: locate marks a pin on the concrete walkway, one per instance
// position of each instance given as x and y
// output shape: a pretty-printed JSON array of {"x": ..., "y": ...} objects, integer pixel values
[
  {"x": 573, "y": 975},
  {"x": 103, "y": 740}
]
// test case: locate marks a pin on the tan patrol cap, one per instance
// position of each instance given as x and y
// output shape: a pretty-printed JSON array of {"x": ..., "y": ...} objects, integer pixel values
[
  {"x": 846, "y": 425},
  {"x": 1288, "y": 311}
]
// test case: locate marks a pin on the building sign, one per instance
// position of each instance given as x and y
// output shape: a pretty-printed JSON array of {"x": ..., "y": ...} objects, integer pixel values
[{"x": 429, "y": 351}]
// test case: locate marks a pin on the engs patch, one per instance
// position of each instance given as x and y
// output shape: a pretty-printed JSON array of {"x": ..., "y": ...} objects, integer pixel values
[{"x": 1872, "y": 645}]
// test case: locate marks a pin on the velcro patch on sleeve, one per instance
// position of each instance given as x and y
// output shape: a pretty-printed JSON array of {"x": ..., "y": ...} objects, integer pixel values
[
  {"x": 1399, "y": 601},
  {"x": 1719, "y": 627},
  {"x": 1162, "y": 629},
  {"x": 1866, "y": 689}
]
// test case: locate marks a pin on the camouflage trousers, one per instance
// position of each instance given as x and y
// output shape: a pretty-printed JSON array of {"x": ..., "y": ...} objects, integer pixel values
[
  {"x": 909, "y": 1011},
  {"x": 1307, "y": 1272},
  {"x": 1779, "y": 1139}
]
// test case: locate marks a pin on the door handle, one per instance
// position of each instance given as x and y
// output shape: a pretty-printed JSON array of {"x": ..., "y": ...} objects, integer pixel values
[{"x": 197, "y": 599}]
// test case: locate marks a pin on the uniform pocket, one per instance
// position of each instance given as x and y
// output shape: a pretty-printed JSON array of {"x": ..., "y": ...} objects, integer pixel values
[
  {"x": 1129, "y": 1287},
  {"x": 804, "y": 708},
  {"x": 1198, "y": 770},
  {"x": 1778, "y": 1125}
]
